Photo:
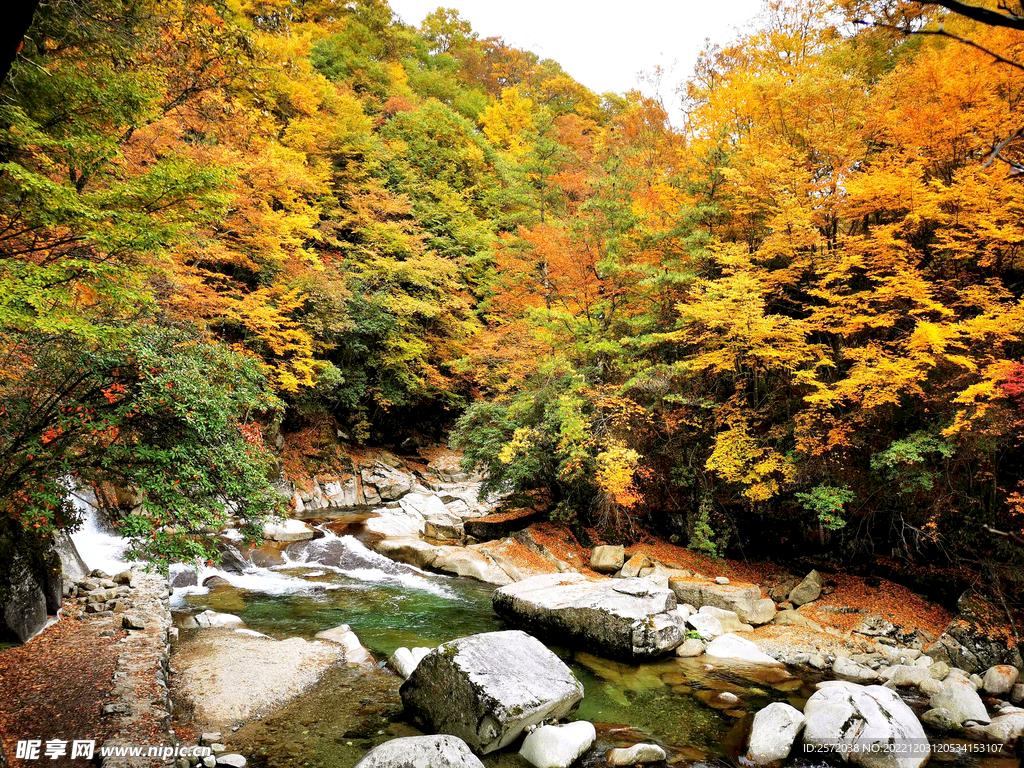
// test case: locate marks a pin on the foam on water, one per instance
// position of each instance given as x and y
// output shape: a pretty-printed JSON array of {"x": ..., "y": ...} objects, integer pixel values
[{"x": 363, "y": 564}]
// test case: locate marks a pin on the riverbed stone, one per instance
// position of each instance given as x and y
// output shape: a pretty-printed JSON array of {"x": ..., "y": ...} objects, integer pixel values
[
  {"x": 608, "y": 558},
  {"x": 211, "y": 619},
  {"x": 440, "y": 751},
  {"x": 772, "y": 734},
  {"x": 939, "y": 670},
  {"x": 638, "y": 754},
  {"x": 707, "y": 626},
  {"x": 1005, "y": 728},
  {"x": 558, "y": 746},
  {"x": 690, "y": 647},
  {"x": 851, "y": 670},
  {"x": 1000, "y": 679},
  {"x": 233, "y": 760},
  {"x": 632, "y": 567},
  {"x": 959, "y": 696},
  {"x": 743, "y": 599},
  {"x": 941, "y": 719},
  {"x": 729, "y": 646},
  {"x": 288, "y": 530},
  {"x": 355, "y": 651},
  {"x": 487, "y": 688},
  {"x": 903, "y": 675},
  {"x": 807, "y": 590},
  {"x": 403, "y": 662},
  {"x": 850, "y": 715},
  {"x": 791, "y": 618},
  {"x": 729, "y": 620},
  {"x": 625, "y": 618}
]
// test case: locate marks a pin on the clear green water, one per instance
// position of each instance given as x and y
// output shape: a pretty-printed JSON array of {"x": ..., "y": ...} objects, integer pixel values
[{"x": 674, "y": 702}]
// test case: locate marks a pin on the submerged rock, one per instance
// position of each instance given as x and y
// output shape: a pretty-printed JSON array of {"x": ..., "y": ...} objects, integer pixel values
[
  {"x": 441, "y": 751},
  {"x": 355, "y": 651},
  {"x": 626, "y": 618},
  {"x": 1005, "y": 728},
  {"x": 850, "y": 718},
  {"x": 558, "y": 746},
  {"x": 487, "y": 688}
]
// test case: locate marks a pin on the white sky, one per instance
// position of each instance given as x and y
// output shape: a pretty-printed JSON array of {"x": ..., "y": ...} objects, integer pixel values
[{"x": 602, "y": 44}]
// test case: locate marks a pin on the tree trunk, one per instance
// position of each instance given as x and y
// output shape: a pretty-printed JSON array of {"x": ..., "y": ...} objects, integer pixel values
[{"x": 12, "y": 32}]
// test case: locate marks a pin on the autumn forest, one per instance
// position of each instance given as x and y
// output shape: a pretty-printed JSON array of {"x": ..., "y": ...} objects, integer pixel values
[{"x": 782, "y": 322}]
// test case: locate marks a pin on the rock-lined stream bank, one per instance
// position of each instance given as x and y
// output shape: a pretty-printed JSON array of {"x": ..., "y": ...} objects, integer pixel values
[{"x": 287, "y": 653}]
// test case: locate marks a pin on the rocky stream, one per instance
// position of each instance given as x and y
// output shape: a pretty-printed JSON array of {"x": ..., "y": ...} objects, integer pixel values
[{"x": 396, "y": 620}]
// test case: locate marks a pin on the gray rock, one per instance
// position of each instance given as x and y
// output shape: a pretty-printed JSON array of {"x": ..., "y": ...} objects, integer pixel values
[
  {"x": 558, "y": 746},
  {"x": 232, "y": 760},
  {"x": 853, "y": 717},
  {"x": 211, "y": 619},
  {"x": 632, "y": 567},
  {"x": 608, "y": 559},
  {"x": 1017, "y": 694},
  {"x": 355, "y": 651},
  {"x": 853, "y": 671},
  {"x": 772, "y": 734},
  {"x": 441, "y": 751},
  {"x": 960, "y": 698},
  {"x": 403, "y": 662},
  {"x": 731, "y": 646},
  {"x": 939, "y": 670},
  {"x": 486, "y": 689},
  {"x": 706, "y": 625},
  {"x": 1005, "y": 728},
  {"x": 626, "y": 618},
  {"x": 210, "y": 761},
  {"x": 817, "y": 661},
  {"x": 721, "y": 581},
  {"x": 743, "y": 599},
  {"x": 904, "y": 676},
  {"x": 796, "y": 619},
  {"x": 940, "y": 719},
  {"x": 638, "y": 754},
  {"x": 72, "y": 565},
  {"x": 288, "y": 530},
  {"x": 807, "y": 590},
  {"x": 690, "y": 647},
  {"x": 729, "y": 620},
  {"x": 211, "y": 737},
  {"x": 132, "y": 621},
  {"x": 1000, "y": 679}
]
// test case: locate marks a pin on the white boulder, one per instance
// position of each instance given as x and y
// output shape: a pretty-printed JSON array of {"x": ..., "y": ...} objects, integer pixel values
[
  {"x": 772, "y": 734},
  {"x": 558, "y": 746},
  {"x": 731, "y": 646}
]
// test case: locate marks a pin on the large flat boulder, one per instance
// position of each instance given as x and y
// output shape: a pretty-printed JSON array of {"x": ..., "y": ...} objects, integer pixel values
[
  {"x": 867, "y": 725},
  {"x": 742, "y": 599},
  {"x": 420, "y": 752},
  {"x": 624, "y": 618},
  {"x": 487, "y": 688}
]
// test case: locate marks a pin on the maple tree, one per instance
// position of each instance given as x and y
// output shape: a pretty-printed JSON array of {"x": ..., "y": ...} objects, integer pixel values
[{"x": 789, "y": 315}]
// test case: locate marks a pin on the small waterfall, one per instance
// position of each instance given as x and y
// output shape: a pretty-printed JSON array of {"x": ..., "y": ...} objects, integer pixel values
[
  {"x": 345, "y": 556},
  {"x": 99, "y": 548}
]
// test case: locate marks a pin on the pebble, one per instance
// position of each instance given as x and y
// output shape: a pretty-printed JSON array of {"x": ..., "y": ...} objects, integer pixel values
[{"x": 722, "y": 580}]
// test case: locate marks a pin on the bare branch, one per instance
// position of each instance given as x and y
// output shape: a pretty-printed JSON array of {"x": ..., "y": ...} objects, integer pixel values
[{"x": 984, "y": 15}]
